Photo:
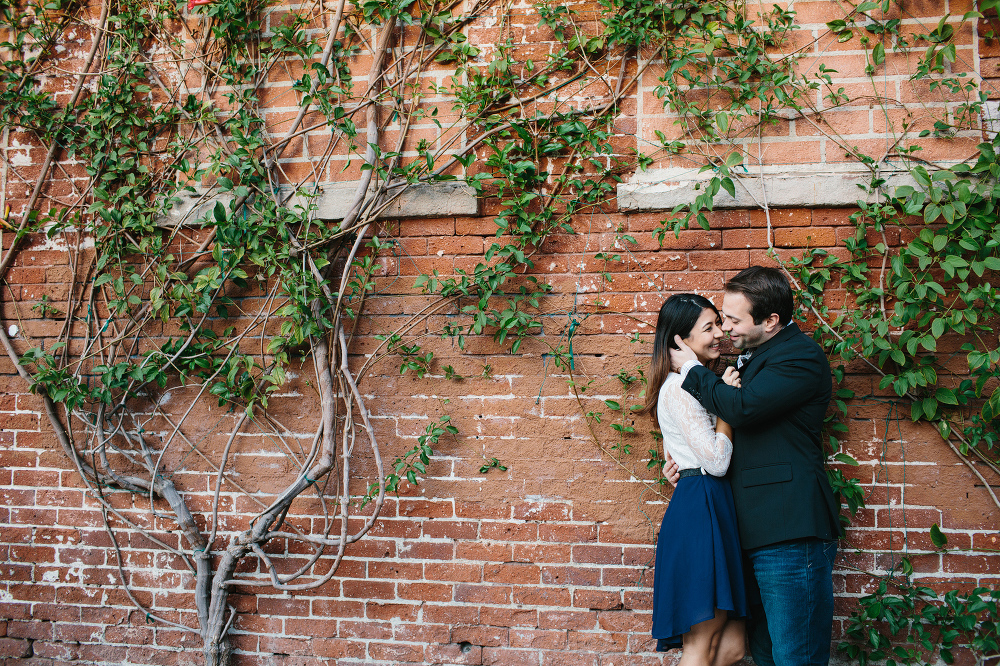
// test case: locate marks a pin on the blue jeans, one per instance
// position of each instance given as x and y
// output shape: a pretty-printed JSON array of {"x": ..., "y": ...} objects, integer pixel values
[{"x": 796, "y": 590}]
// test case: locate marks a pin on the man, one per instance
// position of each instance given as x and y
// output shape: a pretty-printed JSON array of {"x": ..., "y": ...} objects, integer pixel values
[{"x": 787, "y": 514}]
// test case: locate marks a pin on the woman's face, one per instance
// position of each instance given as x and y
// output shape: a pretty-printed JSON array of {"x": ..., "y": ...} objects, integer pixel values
[{"x": 705, "y": 336}]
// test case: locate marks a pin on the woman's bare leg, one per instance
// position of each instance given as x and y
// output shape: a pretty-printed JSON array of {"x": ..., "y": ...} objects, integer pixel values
[
  {"x": 701, "y": 643},
  {"x": 732, "y": 644}
]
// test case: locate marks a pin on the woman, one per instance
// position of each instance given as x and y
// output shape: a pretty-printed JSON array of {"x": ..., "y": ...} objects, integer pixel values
[{"x": 698, "y": 595}]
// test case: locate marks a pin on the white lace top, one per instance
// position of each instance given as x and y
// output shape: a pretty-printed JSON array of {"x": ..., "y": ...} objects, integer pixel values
[{"x": 689, "y": 431}]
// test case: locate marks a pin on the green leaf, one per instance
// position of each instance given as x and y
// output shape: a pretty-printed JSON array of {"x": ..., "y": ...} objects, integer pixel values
[
  {"x": 932, "y": 213},
  {"x": 729, "y": 186},
  {"x": 878, "y": 54},
  {"x": 930, "y": 407},
  {"x": 991, "y": 410},
  {"x": 937, "y": 538},
  {"x": 846, "y": 459},
  {"x": 946, "y": 395},
  {"x": 937, "y": 327}
]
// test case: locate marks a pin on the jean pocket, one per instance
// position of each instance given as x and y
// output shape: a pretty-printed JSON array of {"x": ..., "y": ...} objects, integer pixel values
[{"x": 830, "y": 551}]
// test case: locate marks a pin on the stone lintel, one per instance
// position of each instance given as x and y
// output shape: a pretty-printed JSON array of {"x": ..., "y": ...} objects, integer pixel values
[
  {"x": 441, "y": 199},
  {"x": 807, "y": 186}
]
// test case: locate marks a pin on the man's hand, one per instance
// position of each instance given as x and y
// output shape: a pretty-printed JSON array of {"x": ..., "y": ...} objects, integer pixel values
[
  {"x": 681, "y": 355},
  {"x": 671, "y": 470},
  {"x": 732, "y": 377}
]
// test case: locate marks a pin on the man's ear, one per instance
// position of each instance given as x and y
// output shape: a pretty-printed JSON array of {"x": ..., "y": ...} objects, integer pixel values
[{"x": 772, "y": 324}]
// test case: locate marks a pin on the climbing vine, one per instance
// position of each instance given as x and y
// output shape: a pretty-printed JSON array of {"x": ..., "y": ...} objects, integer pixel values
[{"x": 201, "y": 269}]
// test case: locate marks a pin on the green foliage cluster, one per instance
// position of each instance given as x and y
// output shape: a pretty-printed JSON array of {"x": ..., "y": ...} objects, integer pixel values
[
  {"x": 914, "y": 624},
  {"x": 923, "y": 314}
]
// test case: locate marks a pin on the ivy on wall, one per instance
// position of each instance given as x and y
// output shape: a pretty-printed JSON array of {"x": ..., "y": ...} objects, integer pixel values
[{"x": 515, "y": 130}]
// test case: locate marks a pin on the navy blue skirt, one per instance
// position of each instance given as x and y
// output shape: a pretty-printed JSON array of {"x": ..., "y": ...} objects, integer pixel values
[{"x": 699, "y": 566}]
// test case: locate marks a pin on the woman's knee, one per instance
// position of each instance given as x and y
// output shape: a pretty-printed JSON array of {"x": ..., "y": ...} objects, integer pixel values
[
  {"x": 732, "y": 647},
  {"x": 701, "y": 643}
]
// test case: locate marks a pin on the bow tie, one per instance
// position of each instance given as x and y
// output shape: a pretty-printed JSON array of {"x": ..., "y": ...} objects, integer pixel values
[{"x": 742, "y": 359}]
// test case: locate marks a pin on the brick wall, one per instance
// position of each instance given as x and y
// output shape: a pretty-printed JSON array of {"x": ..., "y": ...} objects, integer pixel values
[{"x": 548, "y": 562}]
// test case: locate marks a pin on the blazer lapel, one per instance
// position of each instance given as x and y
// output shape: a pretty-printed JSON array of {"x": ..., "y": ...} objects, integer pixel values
[{"x": 751, "y": 367}]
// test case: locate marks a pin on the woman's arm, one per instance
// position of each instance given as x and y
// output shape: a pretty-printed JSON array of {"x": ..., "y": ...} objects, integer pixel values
[{"x": 711, "y": 448}]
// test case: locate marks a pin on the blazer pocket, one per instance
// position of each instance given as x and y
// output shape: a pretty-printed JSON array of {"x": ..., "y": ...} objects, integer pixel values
[{"x": 758, "y": 476}]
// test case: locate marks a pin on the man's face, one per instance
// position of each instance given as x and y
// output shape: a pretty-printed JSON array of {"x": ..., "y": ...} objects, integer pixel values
[{"x": 738, "y": 323}]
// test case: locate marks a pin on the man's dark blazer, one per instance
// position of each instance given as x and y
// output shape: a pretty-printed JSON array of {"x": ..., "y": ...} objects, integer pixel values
[{"x": 777, "y": 476}]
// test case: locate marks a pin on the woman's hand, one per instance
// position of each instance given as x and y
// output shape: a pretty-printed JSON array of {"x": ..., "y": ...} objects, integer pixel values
[
  {"x": 671, "y": 470},
  {"x": 732, "y": 377}
]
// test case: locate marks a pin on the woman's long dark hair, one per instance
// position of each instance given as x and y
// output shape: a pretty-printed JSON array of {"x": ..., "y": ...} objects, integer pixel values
[{"x": 678, "y": 315}]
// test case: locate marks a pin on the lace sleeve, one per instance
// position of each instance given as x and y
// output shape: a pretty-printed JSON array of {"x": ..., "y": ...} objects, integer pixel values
[{"x": 712, "y": 450}]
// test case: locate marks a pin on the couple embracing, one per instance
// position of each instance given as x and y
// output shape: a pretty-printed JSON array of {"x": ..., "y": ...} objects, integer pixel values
[{"x": 747, "y": 544}]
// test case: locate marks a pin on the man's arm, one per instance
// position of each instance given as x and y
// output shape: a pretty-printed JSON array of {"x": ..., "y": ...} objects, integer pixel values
[{"x": 774, "y": 390}]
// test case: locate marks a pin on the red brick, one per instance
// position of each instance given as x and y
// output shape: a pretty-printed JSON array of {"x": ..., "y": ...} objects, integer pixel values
[
  {"x": 368, "y": 589},
  {"x": 509, "y": 657},
  {"x": 569, "y": 659},
  {"x": 567, "y": 533},
  {"x": 453, "y": 654},
  {"x": 538, "y": 639},
  {"x": 335, "y": 648},
  {"x": 422, "y": 633},
  {"x": 392, "y": 612},
  {"x": 451, "y": 614},
  {"x": 425, "y": 509},
  {"x": 366, "y": 629},
  {"x": 483, "y": 551},
  {"x": 597, "y": 599},
  {"x": 509, "y": 531},
  {"x": 570, "y": 575},
  {"x": 588, "y": 554},
  {"x": 482, "y": 636},
  {"x": 511, "y": 573},
  {"x": 539, "y": 553},
  {"x": 457, "y": 572},
  {"x": 425, "y": 591},
  {"x": 541, "y": 511},
  {"x": 542, "y": 596},
  {"x": 482, "y": 594},
  {"x": 509, "y": 617},
  {"x": 396, "y": 652},
  {"x": 12, "y": 647},
  {"x": 450, "y": 529}
]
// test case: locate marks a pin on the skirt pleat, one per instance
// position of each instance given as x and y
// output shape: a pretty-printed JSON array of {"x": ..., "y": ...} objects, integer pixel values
[{"x": 699, "y": 566}]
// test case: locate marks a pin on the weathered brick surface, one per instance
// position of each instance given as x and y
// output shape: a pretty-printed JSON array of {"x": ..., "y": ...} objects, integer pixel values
[
  {"x": 549, "y": 562},
  {"x": 474, "y": 569}
]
